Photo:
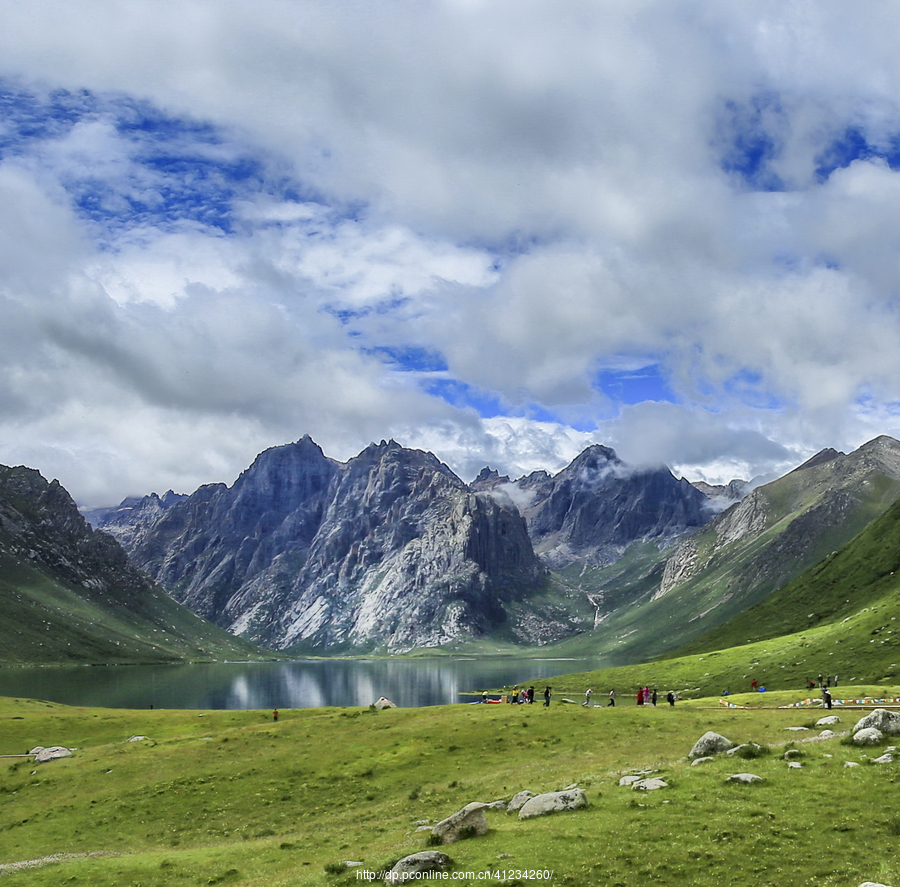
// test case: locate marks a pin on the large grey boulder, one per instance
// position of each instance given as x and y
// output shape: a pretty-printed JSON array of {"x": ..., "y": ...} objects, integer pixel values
[
  {"x": 518, "y": 801},
  {"x": 882, "y": 719},
  {"x": 42, "y": 755},
  {"x": 408, "y": 868},
  {"x": 868, "y": 736},
  {"x": 649, "y": 785},
  {"x": 465, "y": 823},
  {"x": 554, "y": 802},
  {"x": 709, "y": 744}
]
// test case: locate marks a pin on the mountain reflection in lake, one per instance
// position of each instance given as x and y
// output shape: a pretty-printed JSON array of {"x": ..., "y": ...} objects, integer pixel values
[{"x": 301, "y": 684}]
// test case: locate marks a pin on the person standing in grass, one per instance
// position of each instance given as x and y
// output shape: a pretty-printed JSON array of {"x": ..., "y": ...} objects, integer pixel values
[
  {"x": 612, "y": 699},
  {"x": 670, "y": 697},
  {"x": 546, "y": 697},
  {"x": 587, "y": 696}
]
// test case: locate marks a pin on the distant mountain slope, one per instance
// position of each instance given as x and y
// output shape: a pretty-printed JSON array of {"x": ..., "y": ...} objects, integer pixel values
[
  {"x": 390, "y": 549},
  {"x": 856, "y": 576},
  {"x": 68, "y": 593},
  {"x": 748, "y": 552}
]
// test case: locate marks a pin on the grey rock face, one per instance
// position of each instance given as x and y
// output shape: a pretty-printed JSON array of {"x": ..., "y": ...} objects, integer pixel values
[
  {"x": 882, "y": 719},
  {"x": 465, "y": 823},
  {"x": 406, "y": 869},
  {"x": 390, "y": 549},
  {"x": 597, "y": 506},
  {"x": 710, "y": 743},
  {"x": 553, "y": 802},
  {"x": 868, "y": 736},
  {"x": 518, "y": 801}
]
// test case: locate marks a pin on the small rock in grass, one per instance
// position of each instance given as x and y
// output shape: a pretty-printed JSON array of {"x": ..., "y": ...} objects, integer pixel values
[
  {"x": 417, "y": 863},
  {"x": 697, "y": 761},
  {"x": 794, "y": 765},
  {"x": 649, "y": 785},
  {"x": 629, "y": 780},
  {"x": 884, "y": 759},
  {"x": 828, "y": 721},
  {"x": 850, "y": 764},
  {"x": 744, "y": 778}
]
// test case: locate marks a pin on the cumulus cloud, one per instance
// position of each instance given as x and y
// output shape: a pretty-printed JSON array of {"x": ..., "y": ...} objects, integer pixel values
[{"x": 223, "y": 226}]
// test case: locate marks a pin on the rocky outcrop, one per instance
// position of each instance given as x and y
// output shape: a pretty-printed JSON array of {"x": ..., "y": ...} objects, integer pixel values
[
  {"x": 412, "y": 867},
  {"x": 553, "y": 802},
  {"x": 598, "y": 506},
  {"x": 390, "y": 549},
  {"x": 465, "y": 823},
  {"x": 708, "y": 744},
  {"x": 881, "y": 719}
]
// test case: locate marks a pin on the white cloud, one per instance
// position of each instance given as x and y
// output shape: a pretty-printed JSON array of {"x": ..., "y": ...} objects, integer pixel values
[{"x": 521, "y": 194}]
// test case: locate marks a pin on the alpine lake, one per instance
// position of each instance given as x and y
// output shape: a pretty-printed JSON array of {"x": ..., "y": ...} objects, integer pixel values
[{"x": 311, "y": 683}]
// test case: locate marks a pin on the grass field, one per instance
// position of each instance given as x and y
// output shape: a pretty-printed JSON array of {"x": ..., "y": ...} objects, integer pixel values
[{"x": 230, "y": 797}]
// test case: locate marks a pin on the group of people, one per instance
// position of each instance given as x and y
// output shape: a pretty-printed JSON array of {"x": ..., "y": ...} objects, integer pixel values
[{"x": 523, "y": 697}]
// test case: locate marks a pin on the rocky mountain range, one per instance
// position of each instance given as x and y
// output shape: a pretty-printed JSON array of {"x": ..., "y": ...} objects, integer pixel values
[{"x": 392, "y": 550}]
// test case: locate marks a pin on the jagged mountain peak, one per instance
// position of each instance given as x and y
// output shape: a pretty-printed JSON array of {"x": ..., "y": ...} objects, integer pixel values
[
  {"x": 488, "y": 478},
  {"x": 820, "y": 458}
]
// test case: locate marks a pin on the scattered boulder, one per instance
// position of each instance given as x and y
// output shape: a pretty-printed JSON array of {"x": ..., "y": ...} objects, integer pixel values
[
  {"x": 42, "y": 755},
  {"x": 744, "y": 778},
  {"x": 850, "y": 764},
  {"x": 630, "y": 780},
  {"x": 139, "y": 738},
  {"x": 882, "y": 719},
  {"x": 380, "y": 704},
  {"x": 465, "y": 823},
  {"x": 697, "y": 761},
  {"x": 792, "y": 753},
  {"x": 649, "y": 785},
  {"x": 709, "y": 744},
  {"x": 518, "y": 801},
  {"x": 828, "y": 721},
  {"x": 886, "y": 758},
  {"x": 872, "y": 884},
  {"x": 797, "y": 729},
  {"x": 553, "y": 802},
  {"x": 408, "y": 868},
  {"x": 794, "y": 765},
  {"x": 868, "y": 736}
]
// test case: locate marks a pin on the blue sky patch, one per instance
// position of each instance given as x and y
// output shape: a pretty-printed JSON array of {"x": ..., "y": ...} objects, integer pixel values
[
  {"x": 635, "y": 386},
  {"x": 411, "y": 358},
  {"x": 851, "y": 145},
  {"x": 748, "y": 140}
]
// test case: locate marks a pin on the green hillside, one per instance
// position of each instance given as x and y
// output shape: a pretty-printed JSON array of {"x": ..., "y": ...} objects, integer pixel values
[
  {"x": 859, "y": 574},
  {"x": 68, "y": 593},
  {"x": 42, "y": 620}
]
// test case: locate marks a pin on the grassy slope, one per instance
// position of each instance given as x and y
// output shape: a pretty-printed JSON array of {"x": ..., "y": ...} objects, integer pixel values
[
  {"x": 844, "y": 582},
  {"x": 44, "y": 621},
  {"x": 231, "y": 798}
]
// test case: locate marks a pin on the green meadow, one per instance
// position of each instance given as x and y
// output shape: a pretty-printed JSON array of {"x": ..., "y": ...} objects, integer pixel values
[{"x": 233, "y": 798}]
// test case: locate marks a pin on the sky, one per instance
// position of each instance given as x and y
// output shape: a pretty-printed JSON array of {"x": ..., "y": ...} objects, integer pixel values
[{"x": 500, "y": 231}]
